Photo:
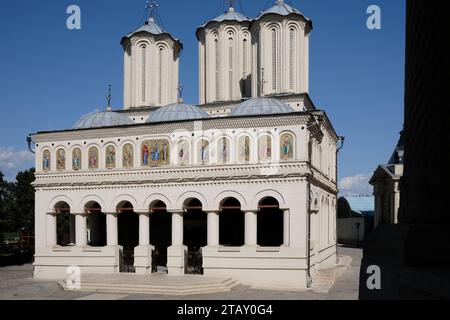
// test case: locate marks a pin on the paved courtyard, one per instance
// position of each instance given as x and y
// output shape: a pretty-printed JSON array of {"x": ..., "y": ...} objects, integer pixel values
[{"x": 16, "y": 283}]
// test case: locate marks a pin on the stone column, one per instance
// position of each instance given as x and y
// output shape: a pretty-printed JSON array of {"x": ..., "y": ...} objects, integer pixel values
[
  {"x": 176, "y": 252},
  {"x": 111, "y": 229},
  {"x": 80, "y": 230},
  {"x": 286, "y": 227},
  {"x": 52, "y": 239},
  {"x": 213, "y": 229},
  {"x": 251, "y": 228},
  {"x": 143, "y": 253}
]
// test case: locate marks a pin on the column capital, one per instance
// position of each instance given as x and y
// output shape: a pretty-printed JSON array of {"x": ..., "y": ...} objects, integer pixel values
[
  {"x": 142, "y": 212},
  {"x": 255, "y": 211},
  {"x": 114, "y": 214},
  {"x": 176, "y": 211},
  {"x": 213, "y": 211},
  {"x": 82, "y": 214}
]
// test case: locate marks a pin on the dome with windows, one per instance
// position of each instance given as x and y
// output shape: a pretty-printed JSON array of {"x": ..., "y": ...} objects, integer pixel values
[
  {"x": 261, "y": 106},
  {"x": 100, "y": 119},
  {"x": 177, "y": 112}
]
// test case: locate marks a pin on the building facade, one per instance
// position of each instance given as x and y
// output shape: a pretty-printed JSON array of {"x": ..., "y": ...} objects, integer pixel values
[{"x": 243, "y": 185}]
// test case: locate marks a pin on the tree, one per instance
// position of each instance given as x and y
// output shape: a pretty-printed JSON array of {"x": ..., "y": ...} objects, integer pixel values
[
  {"x": 23, "y": 201},
  {"x": 4, "y": 188}
]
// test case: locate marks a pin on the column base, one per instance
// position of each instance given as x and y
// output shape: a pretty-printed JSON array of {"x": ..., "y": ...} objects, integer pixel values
[
  {"x": 413, "y": 262},
  {"x": 143, "y": 259},
  {"x": 176, "y": 260}
]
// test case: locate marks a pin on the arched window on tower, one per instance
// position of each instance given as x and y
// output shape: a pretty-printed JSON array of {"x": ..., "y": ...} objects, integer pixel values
[
  {"x": 244, "y": 67},
  {"x": 160, "y": 74},
  {"x": 217, "y": 70},
  {"x": 292, "y": 45},
  {"x": 230, "y": 72},
  {"x": 143, "y": 71},
  {"x": 274, "y": 59}
]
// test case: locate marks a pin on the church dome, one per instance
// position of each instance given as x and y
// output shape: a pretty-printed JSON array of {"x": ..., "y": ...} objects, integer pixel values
[
  {"x": 283, "y": 9},
  {"x": 230, "y": 15},
  {"x": 177, "y": 112},
  {"x": 261, "y": 106},
  {"x": 102, "y": 119}
]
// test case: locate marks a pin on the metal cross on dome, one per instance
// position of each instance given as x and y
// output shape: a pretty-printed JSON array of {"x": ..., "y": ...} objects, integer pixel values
[
  {"x": 152, "y": 7},
  {"x": 230, "y": 3}
]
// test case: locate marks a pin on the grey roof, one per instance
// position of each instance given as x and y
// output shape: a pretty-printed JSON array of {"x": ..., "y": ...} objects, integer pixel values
[
  {"x": 102, "y": 119},
  {"x": 261, "y": 106},
  {"x": 283, "y": 9},
  {"x": 177, "y": 112},
  {"x": 230, "y": 15},
  {"x": 151, "y": 26}
]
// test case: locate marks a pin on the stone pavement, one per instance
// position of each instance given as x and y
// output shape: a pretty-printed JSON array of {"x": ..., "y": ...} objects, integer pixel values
[{"x": 16, "y": 283}]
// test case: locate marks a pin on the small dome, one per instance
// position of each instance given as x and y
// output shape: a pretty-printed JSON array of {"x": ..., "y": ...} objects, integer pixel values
[
  {"x": 230, "y": 15},
  {"x": 177, "y": 112},
  {"x": 261, "y": 106},
  {"x": 283, "y": 9},
  {"x": 102, "y": 119}
]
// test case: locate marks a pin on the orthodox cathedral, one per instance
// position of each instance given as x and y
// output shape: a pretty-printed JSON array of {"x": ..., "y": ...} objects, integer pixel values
[{"x": 242, "y": 185}]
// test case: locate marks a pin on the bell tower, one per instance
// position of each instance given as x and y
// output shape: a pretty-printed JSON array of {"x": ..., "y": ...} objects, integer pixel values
[{"x": 151, "y": 64}]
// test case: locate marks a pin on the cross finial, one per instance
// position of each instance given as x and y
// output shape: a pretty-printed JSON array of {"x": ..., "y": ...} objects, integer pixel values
[
  {"x": 108, "y": 98},
  {"x": 262, "y": 83},
  {"x": 151, "y": 7},
  {"x": 280, "y": 2},
  {"x": 180, "y": 92},
  {"x": 230, "y": 3}
]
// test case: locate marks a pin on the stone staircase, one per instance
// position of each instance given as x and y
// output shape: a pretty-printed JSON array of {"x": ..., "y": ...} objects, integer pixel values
[
  {"x": 156, "y": 284},
  {"x": 324, "y": 279}
]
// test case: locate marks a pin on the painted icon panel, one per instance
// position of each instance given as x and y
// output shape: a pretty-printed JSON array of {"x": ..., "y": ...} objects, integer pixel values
[
  {"x": 265, "y": 148},
  {"x": 46, "y": 160},
  {"x": 155, "y": 153},
  {"x": 93, "y": 158},
  {"x": 203, "y": 151},
  {"x": 223, "y": 151},
  {"x": 76, "y": 159},
  {"x": 287, "y": 147},
  {"x": 60, "y": 160},
  {"x": 244, "y": 149},
  {"x": 183, "y": 153},
  {"x": 127, "y": 156},
  {"x": 110, "y": 157}
]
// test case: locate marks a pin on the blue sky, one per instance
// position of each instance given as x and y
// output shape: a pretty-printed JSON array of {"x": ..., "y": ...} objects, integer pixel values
[{"x": 50, "y": 76}]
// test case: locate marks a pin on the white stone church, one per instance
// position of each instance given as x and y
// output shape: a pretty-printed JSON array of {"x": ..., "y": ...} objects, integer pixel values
[{"x": 242, "y": 185}]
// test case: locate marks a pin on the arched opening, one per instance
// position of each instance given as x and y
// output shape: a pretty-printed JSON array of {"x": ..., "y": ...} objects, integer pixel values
[
  {"x": 65, "y": 225},
  {"x": 128, "y": 229},
  {"x": 231, "y": 224},
  {"x": 270, "y": 223},
  {"x": 96, "y": 225},
  {"x": 160, "y": 233},
  {"x": 195, "y": 235}
]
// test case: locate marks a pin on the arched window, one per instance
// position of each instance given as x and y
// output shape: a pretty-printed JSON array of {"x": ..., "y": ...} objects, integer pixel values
[
  {"x": 96, "y": 225},
  {"x": 93, "y": 158},
  {"x": 144, "y": 71},
  {"x": 270, "y": 223},
  {"x": 265, "y": 148},
  {"x": 244, "y": 68},
  {"x": 230, "y": 63},
  {"x": 217, "y": 69},
  {"x": 65, "y": 225},
  {"x": 77, "y": 157},
  {"x": 292, "y": 45},
  {"x": 244, "y": 149},
  {"x": 287, "y": 147},
  {"x": 231, "y": 223},
  {"x": 184, "y": 153},
  {"x": 274, "y": 59},
  {"x": 203, "y": 152},
  {"x": 60, "y": 160},
  {"x": 223, "y": 150},
  {"x": 160, "y": 74},
  {"x": 110, "y": 157},
  {"x": 128, "y": 156}
]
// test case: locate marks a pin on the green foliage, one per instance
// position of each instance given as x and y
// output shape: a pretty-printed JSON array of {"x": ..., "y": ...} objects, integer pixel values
[{"x": 17, "y": 202}]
